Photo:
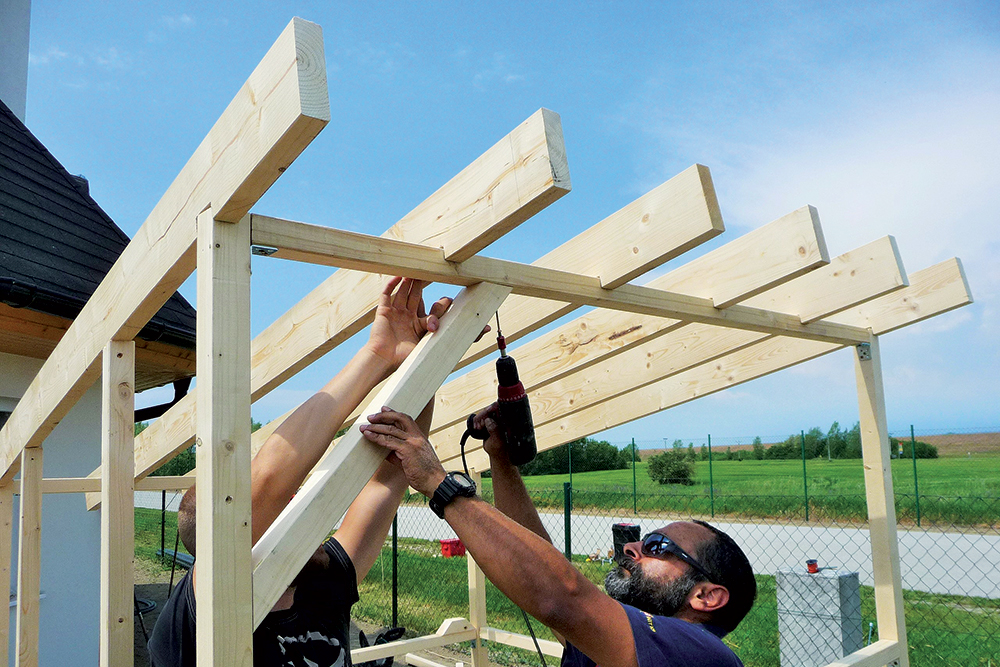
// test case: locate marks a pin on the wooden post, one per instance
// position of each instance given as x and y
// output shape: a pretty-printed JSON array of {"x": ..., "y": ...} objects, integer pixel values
[
  {"x": 6, "y": 526},
  {"x": 117, "y": 503},
  {"x": 477, "y": 602},
  {"x": 29, "y": 555},
  {"x": 223, "y": 582},
  {"x": 878, "y": 490}
]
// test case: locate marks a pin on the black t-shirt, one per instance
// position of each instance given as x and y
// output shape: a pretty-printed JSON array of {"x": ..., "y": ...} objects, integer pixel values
[{"x": 313, "y": 632}]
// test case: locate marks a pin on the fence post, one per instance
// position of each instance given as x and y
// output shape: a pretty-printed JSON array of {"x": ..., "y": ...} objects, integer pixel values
[
  {"x": 634, "y": 504},
  {"x": 163, "y": 523},
  {"x": 395, "y": 577},
  {"x": 916, "y": 489},
  {"x": 569, "y": 445},
  {"x": 567, "y": 510},
  {"x": 805, "y": 484},
  {"x": 711, "y": 482}
]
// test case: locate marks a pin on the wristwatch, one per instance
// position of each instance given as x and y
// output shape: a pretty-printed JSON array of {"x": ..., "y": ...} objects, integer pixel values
[{"x": 455, "y": 484}]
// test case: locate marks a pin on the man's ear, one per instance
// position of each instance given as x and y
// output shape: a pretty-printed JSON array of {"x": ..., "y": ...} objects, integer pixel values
[{"x": 708, "y": 597}]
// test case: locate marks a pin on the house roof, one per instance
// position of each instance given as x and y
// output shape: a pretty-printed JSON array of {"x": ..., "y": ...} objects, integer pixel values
[{"x": 57, "y": 244}]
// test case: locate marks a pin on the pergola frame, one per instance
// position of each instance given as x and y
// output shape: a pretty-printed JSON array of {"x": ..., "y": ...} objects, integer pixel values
[{"x": 766, "y": 301}]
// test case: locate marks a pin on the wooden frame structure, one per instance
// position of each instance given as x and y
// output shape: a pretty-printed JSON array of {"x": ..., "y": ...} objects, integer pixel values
[{"x": 766, "y": 301}]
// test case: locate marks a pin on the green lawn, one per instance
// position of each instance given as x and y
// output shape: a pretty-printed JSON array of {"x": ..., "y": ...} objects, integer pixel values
[{"x": 952, "y": 491}]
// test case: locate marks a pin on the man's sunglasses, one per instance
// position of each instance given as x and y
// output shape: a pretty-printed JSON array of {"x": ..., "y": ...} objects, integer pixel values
[{"x": 659, "y": 545}]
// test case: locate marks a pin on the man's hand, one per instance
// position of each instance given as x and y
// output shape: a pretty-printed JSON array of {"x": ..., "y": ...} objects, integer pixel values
[
  {"x": 400, "y": 320},
  {"x": 410, "y": 448},
  {"x": 496, "y": 444}
]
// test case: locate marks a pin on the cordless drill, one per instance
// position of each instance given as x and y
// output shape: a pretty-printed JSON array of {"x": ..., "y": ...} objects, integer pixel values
[{"x": 514, "y": 416}]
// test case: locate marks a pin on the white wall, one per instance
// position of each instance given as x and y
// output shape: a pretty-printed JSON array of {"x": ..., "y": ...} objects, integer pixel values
[
  {"x": 14, "y": 23},
  {"x": 71, "y": 550}
]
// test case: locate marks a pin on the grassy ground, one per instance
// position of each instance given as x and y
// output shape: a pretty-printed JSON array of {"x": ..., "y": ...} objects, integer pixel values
[{"x": 952, "y": 491}]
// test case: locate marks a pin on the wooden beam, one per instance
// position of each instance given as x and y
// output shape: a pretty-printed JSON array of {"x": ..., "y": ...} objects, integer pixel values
[
  {"x": 273, "y": 117},
  {"x": 664, "y": 223},
  {"x": 477, "y": 601},
  {"x": 687, "y": 347},
  {"x": 118, "y": 504},
  {"x": 29, "y": 557},
  {"x": 933, "y": 291},
  {"x": 451, "y": 631},
  {"x": 335, "y": 482},
  {"x": 876, "y": 654},
  {"x": 536, "y": 169},
  {"x": 536, "y": 181},
  {"x": 525, "y": 642},
  {"x": 887, "y": 577},
  {"x": 312, "y": 328},
  {"x": 6, "y": 548},
  {"x": 223, "y": 584},
  {"x": 760, "y": 260},
  {"x": 310, "y": 243}
]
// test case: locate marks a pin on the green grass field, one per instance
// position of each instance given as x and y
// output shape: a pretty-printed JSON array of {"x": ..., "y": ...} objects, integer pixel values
[{"x": 952, "y": 491}]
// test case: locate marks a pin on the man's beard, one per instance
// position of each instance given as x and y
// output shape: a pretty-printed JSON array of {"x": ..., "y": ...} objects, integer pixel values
[{"x": 628, "y": 584}]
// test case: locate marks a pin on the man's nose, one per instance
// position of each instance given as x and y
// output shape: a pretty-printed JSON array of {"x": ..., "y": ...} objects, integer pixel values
[{"x": 633, "y": 550}]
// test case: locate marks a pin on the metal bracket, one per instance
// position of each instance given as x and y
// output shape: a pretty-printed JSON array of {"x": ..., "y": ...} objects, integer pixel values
[
  {"x": 262, "y": 250},
  {"x": 864, "y": 351}
]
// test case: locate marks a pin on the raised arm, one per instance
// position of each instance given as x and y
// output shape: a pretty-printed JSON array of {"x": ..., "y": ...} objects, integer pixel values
[
  {"x": 523, "y": 565},
  {"x": 509, "y": 493},
  {"x": 368, "y": 519},
  {"x": 294, "y": 448}
]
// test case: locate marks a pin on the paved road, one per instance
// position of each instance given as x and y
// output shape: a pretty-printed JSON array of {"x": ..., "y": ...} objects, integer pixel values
[{"x": 949, "y": 563}]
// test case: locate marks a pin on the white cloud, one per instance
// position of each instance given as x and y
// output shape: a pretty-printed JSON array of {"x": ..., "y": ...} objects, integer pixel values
[
  {"x": 181, "y": 21},
  {"x": 50, "y": 55},
  {"x": 500, "y": 70}
]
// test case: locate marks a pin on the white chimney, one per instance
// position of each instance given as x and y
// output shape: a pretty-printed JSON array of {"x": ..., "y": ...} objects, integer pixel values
[{"x": 15, "y": 21}]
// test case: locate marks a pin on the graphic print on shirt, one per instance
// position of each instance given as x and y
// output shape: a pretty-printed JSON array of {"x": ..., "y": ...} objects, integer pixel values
[{"x": 312, "y": 649}]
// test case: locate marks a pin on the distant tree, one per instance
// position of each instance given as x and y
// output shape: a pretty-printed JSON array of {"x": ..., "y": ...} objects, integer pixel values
[
  {"x": 924, "y": 450},
  {"x": 671, "y": 467},
  {"x": 703, "y": 455},
  {"x": 181, "y": 464},
  {"x": 758, "y": 449},
  {"x": 691, "y": 456},
  {"x": 140, "y": 427},
  {"x": 588, "y": 455}
]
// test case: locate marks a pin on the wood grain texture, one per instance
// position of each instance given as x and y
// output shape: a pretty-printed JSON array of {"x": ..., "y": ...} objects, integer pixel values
[
  {"x": 117, "y": 503},
  {"x": 534, "y": 173},
  {"x": 937, "y": 289},
  {"x": 664, "y": 223},
  {"x": 339, "y": 477},
  {"x": 261, "y": 131},
  {"x": 29, "y": 557},
  {"x": 6, "y": 549},
  {"x": 771, "y": 255},
  {"x": 223, "y": 584},
  {"x": 322, "y": 319},
  {"x": 311, "y": 243},
  {"x": 886, "y": 573}
]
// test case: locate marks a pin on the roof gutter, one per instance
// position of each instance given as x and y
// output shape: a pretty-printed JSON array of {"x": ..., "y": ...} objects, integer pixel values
[{"x": 25, "y": 294}]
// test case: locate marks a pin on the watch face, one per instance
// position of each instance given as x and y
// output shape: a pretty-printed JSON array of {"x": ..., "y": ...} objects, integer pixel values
[{"x": 462, "y": 480}]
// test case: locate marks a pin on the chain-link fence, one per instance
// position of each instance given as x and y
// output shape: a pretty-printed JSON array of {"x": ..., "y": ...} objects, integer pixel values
[{"x": 783, "y": 513}]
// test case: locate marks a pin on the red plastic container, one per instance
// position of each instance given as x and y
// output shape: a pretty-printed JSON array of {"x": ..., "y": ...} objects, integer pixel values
[{"x": 453, "y": 547}]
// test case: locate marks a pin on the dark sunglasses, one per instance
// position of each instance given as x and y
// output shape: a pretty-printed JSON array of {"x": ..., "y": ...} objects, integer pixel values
[{"x": 658, "y": 545}]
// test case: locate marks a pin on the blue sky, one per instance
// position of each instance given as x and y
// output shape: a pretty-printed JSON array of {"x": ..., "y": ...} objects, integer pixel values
[{"x": 883, "y": 117}]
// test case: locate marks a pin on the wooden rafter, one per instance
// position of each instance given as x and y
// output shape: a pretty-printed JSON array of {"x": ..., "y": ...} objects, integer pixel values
[
  {"x": 271, "y": 120},
  {"x": 931, "y": 292},
  {"x": 322, "y": 245}
]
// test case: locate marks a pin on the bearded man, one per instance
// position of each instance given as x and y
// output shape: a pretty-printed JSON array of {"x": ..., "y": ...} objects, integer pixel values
[{"x": 670, "y": 598}]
